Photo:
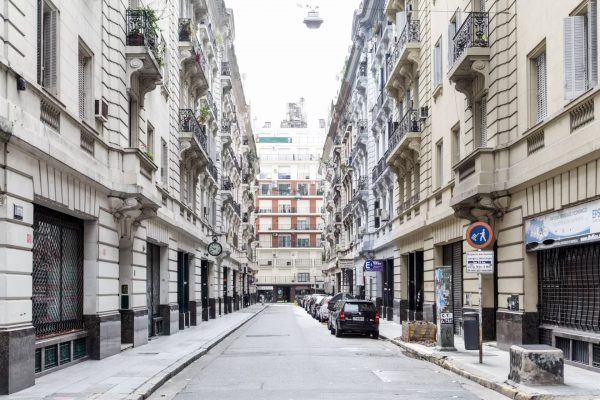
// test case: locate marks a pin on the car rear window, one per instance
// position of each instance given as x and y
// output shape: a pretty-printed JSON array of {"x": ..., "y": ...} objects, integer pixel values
[{"x": 359, "y": 307}]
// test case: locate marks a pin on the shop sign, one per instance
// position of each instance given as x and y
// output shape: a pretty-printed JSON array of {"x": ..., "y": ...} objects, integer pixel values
[
  {"x": 480, "y": 262},
  {"x": 374, "y": 265},
  {"x": 264, "y": 287},
  {"x": 573, "y": 225},
  {"x": 479, "y": 235},
  {"x": 346, "y": 264}
]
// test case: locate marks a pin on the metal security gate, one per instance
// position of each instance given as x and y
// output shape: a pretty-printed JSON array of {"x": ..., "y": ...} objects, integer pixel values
[
  {"x": 153, "y": 288},
  {"x": 569, "y": 287},
  {"x": 452, "y": 256},
  {"x": 57, "y": 273}
]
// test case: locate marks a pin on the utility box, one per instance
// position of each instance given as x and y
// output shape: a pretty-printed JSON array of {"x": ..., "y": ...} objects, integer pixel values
[{"x": 471, "y": 330}]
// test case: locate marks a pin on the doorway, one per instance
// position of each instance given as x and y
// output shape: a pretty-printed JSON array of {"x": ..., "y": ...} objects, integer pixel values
[
  {"x": 225, "y": 297},
  {"x": 415, "y": 286},
  {"x": 183, "y": 293},
  {"x": 204, "y": 288},
  {"x": 153, "y": 289},
  {"x": 452, "y": 256}
]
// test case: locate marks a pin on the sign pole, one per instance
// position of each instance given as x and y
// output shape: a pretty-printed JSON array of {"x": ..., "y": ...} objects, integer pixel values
[{"x": 480, "y": 319}]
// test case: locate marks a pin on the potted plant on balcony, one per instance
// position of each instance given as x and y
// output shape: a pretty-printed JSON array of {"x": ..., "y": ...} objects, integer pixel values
[{"x": 203, "y": 114}]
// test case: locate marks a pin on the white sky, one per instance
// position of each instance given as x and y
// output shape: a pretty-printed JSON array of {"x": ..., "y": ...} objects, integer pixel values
[{"x": 282, "y": 60}]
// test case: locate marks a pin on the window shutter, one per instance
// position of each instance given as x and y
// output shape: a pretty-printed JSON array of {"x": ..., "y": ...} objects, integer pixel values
[
  {"x": 483, "y": 118},
  {"x": 437, "y": 67},
  {"x": 163, "y": 162},
  {"x": 542, "y": 108},
  {"x": 49, "y": 48},
  {"x": 82, "y": 84},
  {"x": 40, "y": 42},
  {"x": 592, "y": 43},
  {"x": 575, "y": 63}
]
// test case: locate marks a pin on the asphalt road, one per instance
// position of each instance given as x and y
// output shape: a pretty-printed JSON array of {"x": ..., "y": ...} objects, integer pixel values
[{"x": 285, "y": 354}]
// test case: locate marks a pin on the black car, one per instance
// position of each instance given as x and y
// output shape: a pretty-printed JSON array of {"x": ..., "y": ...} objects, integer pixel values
[
  {"x": 358, "y": 316},
  {"x": 334, "y": 300}
]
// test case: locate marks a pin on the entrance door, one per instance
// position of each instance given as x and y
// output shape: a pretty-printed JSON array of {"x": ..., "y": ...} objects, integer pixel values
[
  {"x": 225, "y": 297},
  {"x": 204, "y": 289},
  {"x": 152, "y": 285},
  {"x": 452, "y": 256},
  {"x": 183, "y": 273},
  {"x": 235, "y": 293},
  {"x": 415, "y": 286}
]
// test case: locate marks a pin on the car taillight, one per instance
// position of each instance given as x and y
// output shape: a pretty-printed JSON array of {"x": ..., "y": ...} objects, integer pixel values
[
  {"x": 376, "y": 316},
  {"x": 342, "y": 316}
]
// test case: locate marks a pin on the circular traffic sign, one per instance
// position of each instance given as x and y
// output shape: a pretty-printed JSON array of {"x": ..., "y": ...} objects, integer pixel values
[{"x": 479, "y": 235}]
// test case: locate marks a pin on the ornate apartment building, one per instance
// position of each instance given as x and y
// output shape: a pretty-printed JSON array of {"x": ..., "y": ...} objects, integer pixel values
[
  {"x": 490, "y": 118},
  {"x": 289, "y": 208},
  {"x": 118, "y": 220}
]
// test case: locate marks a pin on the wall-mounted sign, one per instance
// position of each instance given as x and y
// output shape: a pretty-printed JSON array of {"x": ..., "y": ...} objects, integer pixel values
[
  {"x": 447, "y": 318},
  {"x": 374, "y": 265},
  {"x": 479, "y": 235},
  {"x": 572, "y": 225},
  {"x": 480, "y": 262},
  {"x": 343, "y": 264}
]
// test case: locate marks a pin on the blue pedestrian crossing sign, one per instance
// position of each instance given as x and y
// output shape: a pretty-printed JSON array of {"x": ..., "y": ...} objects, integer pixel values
[{"x": 479, "y": 235}]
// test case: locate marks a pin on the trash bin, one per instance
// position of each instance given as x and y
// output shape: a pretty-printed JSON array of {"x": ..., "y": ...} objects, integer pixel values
[{"x": 471, "y": 330}]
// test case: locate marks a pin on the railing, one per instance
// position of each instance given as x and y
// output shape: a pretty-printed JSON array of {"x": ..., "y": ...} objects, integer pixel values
[
  {"x": 288, "y": 210},
  {"x": 234, "y": 158},
  {"x": 293, "y": 227},
  {"x": 211, "y": 104},
  {"x": 362, "y": 68},
  {"x": 286, "y": 245},
  {"x": 236, "y": 207},
  {"x": 50, "y": 115},
  {"x": 185, "y": 29},
  {"x": 189, "y": 123},
  {"x": 362, "y": 183},
  {"x": 347, "y": 209},
  {"x": 225, "y": 126},
  {"x": 379, "y": 168},
  {"x": 212, "y": 170},
  {"x": 211, "y": 34},
  {"x": 410, "y": 123},
  {"x": 362, "y": 125},
  {"x": 410, "y": 34},
  {"x": 472, "y": 33},
  {"x": 227, "y": 184},
  {"x": 290, "y": 192},
  {"x": 411, "y": 201},
  {"x": 289, "y": 157},
  {"x": 225, "y": 68},
  {"x": 140, "y": 32}
]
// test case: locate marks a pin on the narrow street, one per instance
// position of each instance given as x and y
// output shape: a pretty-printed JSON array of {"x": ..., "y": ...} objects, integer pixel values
[{"x": 285, "y": 354}]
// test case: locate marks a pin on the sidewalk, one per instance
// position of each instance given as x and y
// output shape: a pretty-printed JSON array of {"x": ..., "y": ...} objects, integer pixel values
[
  {"x": 134, "y": 374},
  {"x": 493, "y": 373}
]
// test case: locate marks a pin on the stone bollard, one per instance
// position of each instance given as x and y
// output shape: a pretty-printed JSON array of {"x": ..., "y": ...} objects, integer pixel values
[{"x": 536, "y": 364}]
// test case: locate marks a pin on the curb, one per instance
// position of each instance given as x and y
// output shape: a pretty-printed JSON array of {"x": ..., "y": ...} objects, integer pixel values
[
  {"x": 150, "y": 386},
  {"x": 502, "y": 388}
]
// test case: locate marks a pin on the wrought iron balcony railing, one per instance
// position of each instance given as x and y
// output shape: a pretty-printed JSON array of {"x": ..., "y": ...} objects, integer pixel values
[
  {"x": 189, "y": 123},
  {"x": 225, "y": 126},
  {"x": 185, "y": 29},
  {"x": 212, "y": 170},
  {"x": 227, "y": 184},
  {"x": 338, "y": 217},
  {"x": 140, "y": 31},
  {"x": 379, "y": 168},
  {"x": 410, "y": 123},
  {"x": 410, "y": 34},
  {"x": 362, "y": 125},
  {"x": 362, "y": 68},
  {"x": 347, "y": 209},
  {"x": 225, "y": 68},
  {"x": 211, "y": 34},
  {"x": 211, "y": 104},
  {"x": 234, "y": 159},
  {"x": 362, "y": 183},
  {"x": 472, "y": 33},
  {"x": 237, "y": 208}
]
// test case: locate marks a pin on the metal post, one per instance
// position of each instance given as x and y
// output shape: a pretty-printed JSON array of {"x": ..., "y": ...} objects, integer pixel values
[{"x": 480, "y": 319}]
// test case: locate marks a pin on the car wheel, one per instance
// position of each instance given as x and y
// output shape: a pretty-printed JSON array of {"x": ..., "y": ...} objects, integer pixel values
[
  {"x": 338, "y": 333},
  {"x": 331, "y": 330},
  {"x": 375, "y": 335}
]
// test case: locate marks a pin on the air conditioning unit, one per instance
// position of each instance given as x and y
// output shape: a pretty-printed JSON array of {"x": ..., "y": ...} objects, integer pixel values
[
  {"x": 424, "y": 112},
  {"x": 276, "y": 234},
  {"x": 101, "y": 110},
  {"x": 384, "y": 215}
]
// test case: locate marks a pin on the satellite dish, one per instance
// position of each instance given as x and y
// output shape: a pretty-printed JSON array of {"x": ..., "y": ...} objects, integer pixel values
[{"x": 312, "y": 20}]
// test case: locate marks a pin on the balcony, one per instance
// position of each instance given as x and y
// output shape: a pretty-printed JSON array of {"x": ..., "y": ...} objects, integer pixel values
[
  {"x": 292, "y": 227},
  {"x": 212, "y": 171},
  {"x": 379, "y": 169},
  {"x": 381, "y": 108},
  {"x": 192, "y": 137},
  {"x": 144, "y": 53},
  {"x": 406, "y": 136},
  {"x": 471, "y": 56},
  {"x": 287, "y": 245},
  {"x": 208, "y": 37},
  {"x": 347, "y": 211},
  {"x": 361, "y": 79},
  {"x": 185, "y": 29},
  {"x": 234, "y": 159},
  {"x": 410, "y": 202},
  {"x": 338, "y": 217},
  {"x": 404, "y": 61},
  {"x": 208, "y": 101},
  {"x": 225, "y": 75},
  {"x": 192, "y": 58}
]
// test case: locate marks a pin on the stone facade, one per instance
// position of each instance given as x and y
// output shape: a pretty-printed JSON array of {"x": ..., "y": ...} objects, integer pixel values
[{"x": 117, "y": 121}]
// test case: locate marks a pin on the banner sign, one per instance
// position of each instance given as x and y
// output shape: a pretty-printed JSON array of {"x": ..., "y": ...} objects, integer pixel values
[
  {"x": 572, "y": 225},
  {"x": 480, "y": 262},
  {"x": 374, "y": 265}
]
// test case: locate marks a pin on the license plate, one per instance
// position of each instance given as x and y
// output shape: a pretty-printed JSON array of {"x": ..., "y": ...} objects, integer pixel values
[{"x": 358, "y": 318}]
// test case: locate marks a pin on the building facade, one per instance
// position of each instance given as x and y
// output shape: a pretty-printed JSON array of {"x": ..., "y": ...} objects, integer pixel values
[
  {"x": 118, "y": 121},
  {"x": 289, "y": 209},
  {"x": 490, "y": 119}
]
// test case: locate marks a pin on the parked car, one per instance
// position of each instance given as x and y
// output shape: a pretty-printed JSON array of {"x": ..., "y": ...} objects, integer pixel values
[
  {"x": 332, "y": 302},
  {"x": 310, "y": 302},
  {"x": 357, "y": 316},
  {"x": 323, "y": 313},
  {"x": 315, "y": 305}
]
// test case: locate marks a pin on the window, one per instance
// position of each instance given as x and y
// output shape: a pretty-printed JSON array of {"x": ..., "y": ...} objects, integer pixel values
[
  {"x": 302, "y": 224},
  {"x": 150, "y": 144},
  {"x": 303, "y": 277},
  {"x": 164, "y": 162},
  {"x": 265, "y": 189},
  {"x": 284, "y": 173},
  {"x": 285, "y": 241},
  {"x": 456, "y": 144},
  {"x": 134, "y": 110},
  {"x": 285, "y": 189},
  {"x": 481, "y": 122},
  {"x": 541, "y": 102},
  {"x": 452, "y": 29},
  {"x": 48, "y": 47},
  {"x": 85, "y": 83},
  {"x": 417, "y": 175},
  {"x": 303, "y": 189},
  {"x": 439, "y": 152},
  {"x": 437, "y": 64},
  {"x": 303, "y": 242},
  {"x": 581, "y": 50}
]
